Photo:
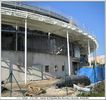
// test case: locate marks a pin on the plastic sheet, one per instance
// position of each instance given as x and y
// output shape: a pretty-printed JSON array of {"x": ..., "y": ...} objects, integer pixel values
[{"x": 94, "y": 74}]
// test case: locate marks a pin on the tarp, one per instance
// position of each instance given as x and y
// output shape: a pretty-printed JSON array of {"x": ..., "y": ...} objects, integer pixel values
[{"x": 95, "y": 74}]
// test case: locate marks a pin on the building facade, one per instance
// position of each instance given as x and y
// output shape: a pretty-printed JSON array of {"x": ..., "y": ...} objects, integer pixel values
[{"x": 41, "y": 44}]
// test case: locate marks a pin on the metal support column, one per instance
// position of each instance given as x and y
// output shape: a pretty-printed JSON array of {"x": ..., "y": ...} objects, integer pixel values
[
  {"x": 89, "y": 53},
  {"x": 68, "y": 54},
  {"x": 25, "y": 50},
  {"x": 94, "y": 66},
  {"x": 95, "y": 55},
  {"x": 16, "y": 39}
]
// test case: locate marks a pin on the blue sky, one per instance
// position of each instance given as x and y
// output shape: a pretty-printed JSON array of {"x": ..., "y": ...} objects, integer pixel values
[{"x": 88, "y": 15}]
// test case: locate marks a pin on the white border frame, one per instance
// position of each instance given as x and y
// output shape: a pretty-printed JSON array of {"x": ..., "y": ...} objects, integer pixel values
[{"x": 97, "y": 98}]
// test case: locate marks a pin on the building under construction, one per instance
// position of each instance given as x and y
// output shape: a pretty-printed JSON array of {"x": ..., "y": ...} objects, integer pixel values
[{"x": 40, "y": 44}]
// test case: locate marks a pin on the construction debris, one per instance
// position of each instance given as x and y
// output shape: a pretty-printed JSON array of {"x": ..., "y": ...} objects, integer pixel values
[
  {"x": 3, "y": 89},
  {"x": 47, "y": 88},
  {"x": 33, "y": 90},
  {"x": 84, "y": 89},
  {"x": 70, "y": 80}
]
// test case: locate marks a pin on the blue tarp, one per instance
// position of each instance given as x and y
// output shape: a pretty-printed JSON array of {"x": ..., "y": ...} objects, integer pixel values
[{"x": 94, "y": 74}]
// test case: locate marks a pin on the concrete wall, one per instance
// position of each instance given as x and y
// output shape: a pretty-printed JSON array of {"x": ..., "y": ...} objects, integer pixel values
[
  {"x": 36, "y": 65},
  {"x": 15, "y": 60}
]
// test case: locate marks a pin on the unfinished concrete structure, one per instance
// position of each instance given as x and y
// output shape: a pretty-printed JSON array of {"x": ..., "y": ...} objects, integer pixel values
[{"x": 40, "y": 44}]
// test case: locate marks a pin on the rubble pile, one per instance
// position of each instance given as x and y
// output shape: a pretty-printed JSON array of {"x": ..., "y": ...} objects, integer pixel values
[{"x": 33, "y": 90}]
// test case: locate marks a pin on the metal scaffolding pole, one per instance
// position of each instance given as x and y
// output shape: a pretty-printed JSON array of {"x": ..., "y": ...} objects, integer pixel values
[
  {"x": 25, "y": 50},
  {"x": 89, "y": 53},
  {"x": 68, "y": 54}
]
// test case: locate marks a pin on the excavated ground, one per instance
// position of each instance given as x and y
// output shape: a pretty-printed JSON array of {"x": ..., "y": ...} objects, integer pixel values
[
  {"x": 37, "y": 88},
  {"x": 44, "y": 88}
]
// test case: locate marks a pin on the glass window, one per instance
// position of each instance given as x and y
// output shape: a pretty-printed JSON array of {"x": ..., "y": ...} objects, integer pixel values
[
  {"x": 8, "y": 41},
  {"x": 46, "y": 68},
  {"x": 76, "y": 52},
  {"x": 56, "y": 68},
  {"x": 63, "y": 68}
]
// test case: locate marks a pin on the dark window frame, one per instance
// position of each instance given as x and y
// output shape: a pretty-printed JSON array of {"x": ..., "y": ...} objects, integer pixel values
[
  {"x": 63, "y": 68},
  {"x": 55, "y": 68},
  {"x": 47, "y": 68}
]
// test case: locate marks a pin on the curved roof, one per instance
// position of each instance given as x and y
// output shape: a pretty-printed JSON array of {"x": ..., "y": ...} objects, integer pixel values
[
  {"x": 20, "y": 6},
  {"x": 50, "y": 24}
]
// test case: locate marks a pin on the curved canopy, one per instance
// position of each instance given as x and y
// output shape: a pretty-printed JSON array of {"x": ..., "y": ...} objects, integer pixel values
[{"x": 48, "y": 24}]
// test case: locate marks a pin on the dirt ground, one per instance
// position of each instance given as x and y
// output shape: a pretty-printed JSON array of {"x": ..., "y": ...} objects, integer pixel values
[{"x": 38, "y": 88}]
